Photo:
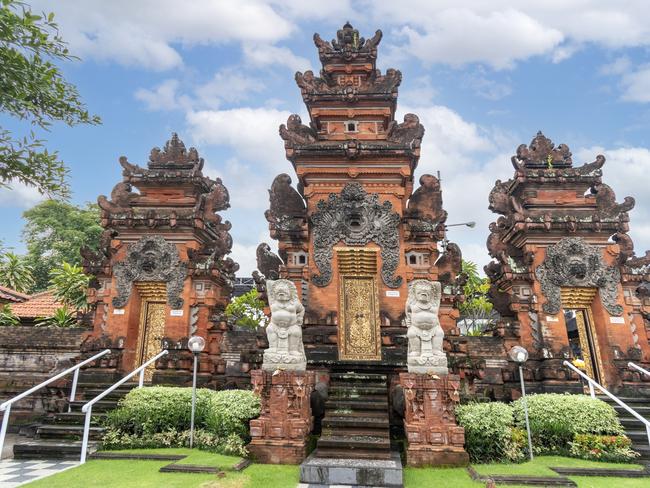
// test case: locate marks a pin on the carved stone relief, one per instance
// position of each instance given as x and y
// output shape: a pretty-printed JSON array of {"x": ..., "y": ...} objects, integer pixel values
[
  {"x": 574, "y": 263},
  {"x": 152, "y": 258},
  {"x": 356, "y": 218}
]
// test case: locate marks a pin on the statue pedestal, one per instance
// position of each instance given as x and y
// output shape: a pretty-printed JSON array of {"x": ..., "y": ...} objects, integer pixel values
[
  {"x": 433, "y": 437},
  {"x": 279, "y": 435}
]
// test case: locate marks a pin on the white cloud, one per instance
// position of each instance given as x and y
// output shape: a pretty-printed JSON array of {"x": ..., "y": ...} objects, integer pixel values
[
  {"x": 18, "y": 195},
  {"x": 245, "y": 257},
  {"x": 164, "y": 96},
  {"x": 616, "y": 67},
  {"x": 487, "y": 88},
  {"x": 146, "y": 33},
  {"x": 263, "y": 55},
  {"x": 252, "y": 133},
  {"x": 229, "y": 85},
  {"x": 636, "y": 85}
]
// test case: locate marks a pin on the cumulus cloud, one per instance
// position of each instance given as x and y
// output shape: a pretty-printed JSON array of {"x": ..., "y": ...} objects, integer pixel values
[
  {"x": 163, "y": 96},
  {"x": 17, "y": 195},
  {"x": 636, "y": 85},
  {"x": 266, "y": 55}
]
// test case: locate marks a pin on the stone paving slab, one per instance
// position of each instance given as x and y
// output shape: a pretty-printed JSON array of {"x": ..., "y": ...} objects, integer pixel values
[
  {"x": 351, "y": 472},
  {"x": 15, "y": 472}
]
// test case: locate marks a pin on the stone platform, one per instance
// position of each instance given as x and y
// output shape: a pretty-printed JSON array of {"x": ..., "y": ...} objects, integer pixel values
[{"x": 352, "y": 472}]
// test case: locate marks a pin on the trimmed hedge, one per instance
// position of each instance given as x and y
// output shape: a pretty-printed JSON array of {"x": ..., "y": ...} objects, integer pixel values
[
  {"x": 159, "y": 416},
  {"x": 564, "y": 424},
  {"x": 555, "y": 419}
]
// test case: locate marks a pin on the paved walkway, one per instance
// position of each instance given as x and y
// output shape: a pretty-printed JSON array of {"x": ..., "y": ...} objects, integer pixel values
[{"x": 16, "y": 472}]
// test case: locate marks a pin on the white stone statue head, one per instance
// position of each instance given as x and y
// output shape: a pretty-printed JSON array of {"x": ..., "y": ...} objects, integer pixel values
[
  {"x": 282, "y": 291},
  {"x": 424, "y": 292}
]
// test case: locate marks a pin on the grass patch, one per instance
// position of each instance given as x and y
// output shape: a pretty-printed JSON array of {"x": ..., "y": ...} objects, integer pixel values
[
  {"x": 541, "y": 465},
  {"x": 589, "y": 482},
  {"x": 456, "y": 477},
  {"x": 136, "y": 474}
]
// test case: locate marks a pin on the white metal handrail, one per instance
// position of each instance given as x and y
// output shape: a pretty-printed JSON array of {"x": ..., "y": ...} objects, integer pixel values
[
  {"x": 593, "y": 383},
  {"x": 88, "y": 407},
  {"x": 638, "y": 368},
  {"x": 6, "y": 406}
]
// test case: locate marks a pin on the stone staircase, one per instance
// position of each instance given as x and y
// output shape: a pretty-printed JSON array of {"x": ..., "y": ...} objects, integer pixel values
[
  {"x": 634, "y": 429},
  {"x": 58, "y": 436},
  {"x": 356, "y": 423}
]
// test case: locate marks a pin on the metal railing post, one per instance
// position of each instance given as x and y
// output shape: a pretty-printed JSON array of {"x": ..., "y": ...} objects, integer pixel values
[
  {"x": 84, "y": 441},
  {"x": 638, "y": 368},
  {"x": 6, "y": 406},
  {"x": 523, "y": 393},
  {"x": 591, "y": 389},
  {"x": 73, "y": 390},
  {"x": 88, "y": 407}
]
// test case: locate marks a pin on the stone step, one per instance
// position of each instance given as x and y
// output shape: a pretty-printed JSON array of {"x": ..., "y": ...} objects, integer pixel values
[
  {"x": 100, "y": 406},
  {"x": 62, "y": 432},
  {"x": 73, "y": 418},
  {"x": 355, "y": 396},
  {"x": 91, "y": 393},
  {"x": 44, "y": 449},
  {"x": 356, "y": 422},
  {"x": 631, "y": 423},
  {"x": 642, "y": 449},
  {"x": 638, "y": 436},
  {"x": 343, "y": 453},
  {"x": 644, "y": 411},
  {"x": 340, "y": 406},
  {"x": 352, "y": 442},
  {"x": 361, "y": 389},
  {"x": 362, "y": 431},
  {"x": 358, "y": 377},
  {"x": 352, "y": 384}
]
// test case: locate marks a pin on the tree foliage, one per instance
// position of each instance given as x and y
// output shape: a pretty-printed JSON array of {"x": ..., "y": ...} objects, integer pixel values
[
  {"x": 33, "y": 89},
  {"x": 16, "y": 273},
  {"x": 476, "y": 312},
  {"x": 62, "y": 317},
  {"x": 70, "y": 284},
  {"x": 247, "y": 310},
  {"x": 54, "y": 233},
  {"x": 7, "y": 316}
]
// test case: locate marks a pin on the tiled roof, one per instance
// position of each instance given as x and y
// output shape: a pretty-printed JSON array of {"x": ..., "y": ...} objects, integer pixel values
[
  {"x": 41, "y": 304},
  {"x": 9, "y": 295}
]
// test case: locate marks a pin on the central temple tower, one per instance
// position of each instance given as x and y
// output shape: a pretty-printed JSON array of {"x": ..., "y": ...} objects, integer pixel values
[{"x": 354, "y": 234}]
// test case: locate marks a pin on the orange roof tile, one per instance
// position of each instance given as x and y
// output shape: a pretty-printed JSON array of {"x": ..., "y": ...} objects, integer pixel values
[
  {"x": 41, "y": 304},
  {"x": 9, "y": 295}
]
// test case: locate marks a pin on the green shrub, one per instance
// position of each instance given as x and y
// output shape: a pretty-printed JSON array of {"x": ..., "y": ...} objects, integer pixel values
[
  {"x": 556, "y": 418},
  {"x": 155, "y": 409},
  {"x": 159, "y": 416},
  {"x": 611, "y": 448},
  {"x": 230, "y": 411},
  {"x": 489, "y": 432}
]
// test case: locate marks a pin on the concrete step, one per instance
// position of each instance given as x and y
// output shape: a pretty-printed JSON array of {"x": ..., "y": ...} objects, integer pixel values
[
  {"x": 356, "y": 396},
  {"x": 358, "y": 377},
  {"x": 355, "y": 432},
  {"x": 638, "y": 436},
  {"x": 644, "y": 450},
  {"x": 338, "y": 406},
  {"x": 352, "y": 472},
  {"x": 100, "y": 406},
  {"x": 44, "y": 449},
  {"x": 64, "y": 432},
  {"x": 73, "y": 418},
  {"x": 344, "y": 453},
  {"x": 353, "y": 442},
  {"x": 630, "y": 423},
  {"x": 644, "y": 411},
  {"x": 356, "y": 422}
]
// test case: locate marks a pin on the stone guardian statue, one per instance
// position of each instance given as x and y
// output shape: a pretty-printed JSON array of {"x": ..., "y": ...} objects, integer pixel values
[
  {"x": 425, "y": 335},
  {"x": 284, "y": 332}
]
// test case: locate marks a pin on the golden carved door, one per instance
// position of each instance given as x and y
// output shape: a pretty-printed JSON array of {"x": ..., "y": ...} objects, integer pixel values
[
  {"x": 359, "y": 333},
  {"x": 152, "y": 330}
]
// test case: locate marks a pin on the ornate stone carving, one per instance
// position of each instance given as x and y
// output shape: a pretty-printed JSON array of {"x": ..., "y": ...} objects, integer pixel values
[
  {"x": 121, "y": 199},
  {"x": 426, "y": 202},
  {"x": 606, "y": 200},
  {"x": 152, "y": 258},
  {"x": 356, "y": 218},
  {"x": 284, "y": 331},
  {"x": 574, "y": 263},
  {"x": 295, "y": 133},
  {"x": 410, "y": 132},
  {"x": 175, "y": 152},
  {"x": 542, "y": 153},
  {"x": 268, "y": 263},
  {"x": 287, "y": 208},
  {"x": 425, "y": 334},
  {"x": 347, "y": 45}
]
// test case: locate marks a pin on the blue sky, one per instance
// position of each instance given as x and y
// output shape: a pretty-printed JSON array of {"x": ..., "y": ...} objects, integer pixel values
[{"x": 482, "y": 76}]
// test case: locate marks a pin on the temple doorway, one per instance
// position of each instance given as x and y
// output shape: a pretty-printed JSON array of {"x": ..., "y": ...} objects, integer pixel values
[
  {"x": 582, "y": 340},
  {"x": 151, "y": 328}
]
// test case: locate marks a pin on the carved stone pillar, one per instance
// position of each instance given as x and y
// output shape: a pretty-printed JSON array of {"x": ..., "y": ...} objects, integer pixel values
[
  {"x": 433, "y": 437},
  {"x": 279, "y": 435}
]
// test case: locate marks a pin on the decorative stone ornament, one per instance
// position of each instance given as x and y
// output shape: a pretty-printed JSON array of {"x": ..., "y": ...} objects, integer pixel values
[
  {"x": 151, "y": 258},
  {"x": 284, "y": 331},
  {"x": 425, "y": 335},
  {"x": 356, "y": 218},
  {"x": 574, "y": 263}
]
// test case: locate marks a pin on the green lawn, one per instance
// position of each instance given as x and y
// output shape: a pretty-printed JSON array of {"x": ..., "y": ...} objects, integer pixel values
[{"x": 130, "y": 473}]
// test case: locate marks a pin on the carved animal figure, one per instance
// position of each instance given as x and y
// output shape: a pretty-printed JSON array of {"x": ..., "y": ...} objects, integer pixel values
[
  {"x": 130, "y": 169},
  {"x": 284, "y": 332},
  {"x": 589, "y": 168},
  {"x": 285, "y": 202},
  {"x": 121, "y": 198},
  {"x": 409, "y": 132},
  {"x": 626, "y": 246},
  {"x": 268, "y": 263},
  {"x": 295, "y": 133},
  {"x": 425, "y": 335},
  {"x": 606, "y": 200},
  {"x": 426, "y": 201}
]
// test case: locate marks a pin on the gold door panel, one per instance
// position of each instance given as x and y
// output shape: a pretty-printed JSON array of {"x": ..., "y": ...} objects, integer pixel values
[{"x": 152, "y": 330}]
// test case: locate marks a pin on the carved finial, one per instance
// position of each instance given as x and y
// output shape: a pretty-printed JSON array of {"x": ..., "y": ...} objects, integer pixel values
[
  {"x": 175, "y": 153},
  {"x": 348, "y": 46},
  {"x": 542, "y": 153}
]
